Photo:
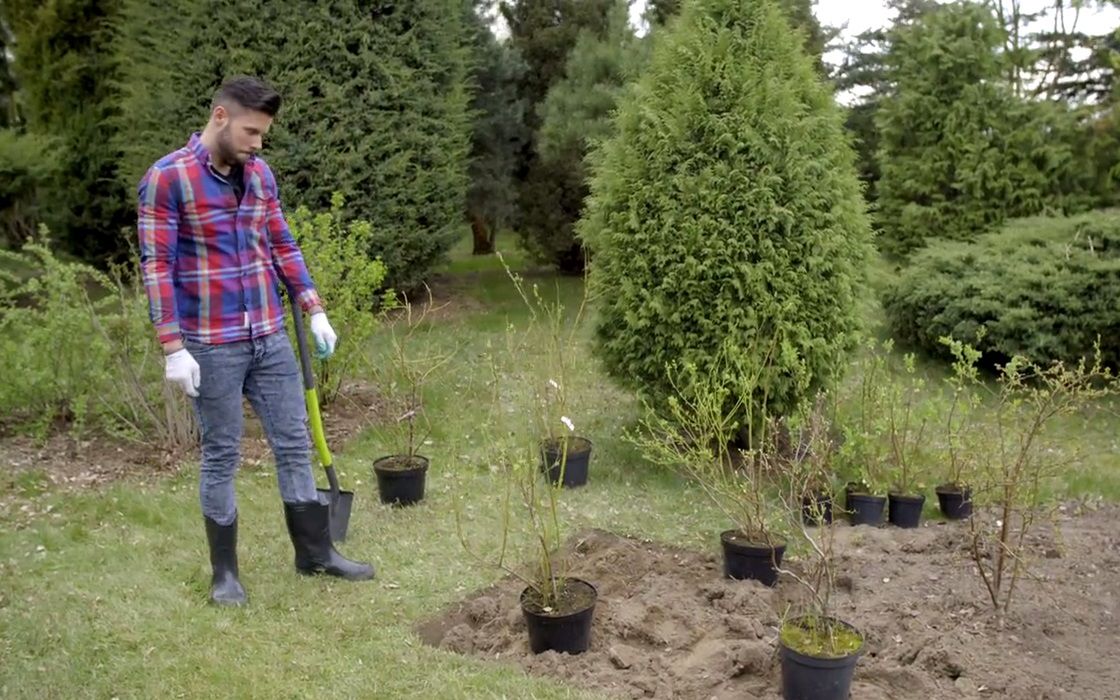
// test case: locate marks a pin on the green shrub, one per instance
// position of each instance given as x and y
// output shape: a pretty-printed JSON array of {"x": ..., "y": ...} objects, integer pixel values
[
  {"x": 725, "y": 213},
  {"x": 1098, "y": 152},
  {"x": 27, "y": 163},
  {"x": 959, "y": 152},
  {"x": 348, "y": 282},
  {"x": 375, "y": 106},
  {"x": 1043, "y": 287},
  {"x": 63, "y": 61},
  {"x": 54, "y": 363},
  {"x": 79, "y": 352}
]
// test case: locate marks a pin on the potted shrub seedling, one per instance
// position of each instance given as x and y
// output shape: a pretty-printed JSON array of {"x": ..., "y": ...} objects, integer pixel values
[
  {"x": 818, "y": 651},
  {"x": 1023, "y": 459},
  {"x": 907, "y": 417},
  {"x": 694, "y": 435},
  {"x": 565, "y": 456},
  {"x": 558, "y": 607},
  {"x": 810, "y": 451},
  {"x": 964, "y": 435},
  {"x": 864, "y": 452},
  {"x": 401, "y": 476},
  {"x": 350, "y": 283}
]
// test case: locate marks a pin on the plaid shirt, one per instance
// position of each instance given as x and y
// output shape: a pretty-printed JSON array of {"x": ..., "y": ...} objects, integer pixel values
[{"x": 212, "y": 266}]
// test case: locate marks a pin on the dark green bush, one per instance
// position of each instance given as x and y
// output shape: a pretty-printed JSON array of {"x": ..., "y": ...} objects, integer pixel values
[
  {"x": 959, "y": 151},
  {"x": 1042, "y": 287},
  {"x": 27, "y": 164},
  {"x": 550, "y": 191},
  {"x": 498, "y": 133},
  {"x": 63, "y": 58},
  {"x": 375, "y": 106},
  {"x": 575, "y": 114},
  {"x": 725, "y": 218}
]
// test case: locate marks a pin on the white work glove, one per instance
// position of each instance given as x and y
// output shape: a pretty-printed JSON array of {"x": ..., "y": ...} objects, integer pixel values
[
  {"x": 182, "y": 369},
  {"x": 324, "y": 335}
]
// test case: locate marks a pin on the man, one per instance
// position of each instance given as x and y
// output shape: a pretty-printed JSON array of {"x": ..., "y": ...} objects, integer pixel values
[{"x": 214, "y": 247}]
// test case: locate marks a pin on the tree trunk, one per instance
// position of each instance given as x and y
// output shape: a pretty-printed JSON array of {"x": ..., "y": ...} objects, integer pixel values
[
  {"x": 483, "y": 236},
  {"x": 571, "y": 261}
]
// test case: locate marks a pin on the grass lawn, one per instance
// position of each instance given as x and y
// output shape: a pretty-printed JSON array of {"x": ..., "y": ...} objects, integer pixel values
[{"x": 104, "y": 594}]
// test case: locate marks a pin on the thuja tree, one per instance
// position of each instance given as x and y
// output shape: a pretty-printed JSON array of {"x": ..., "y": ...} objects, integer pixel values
[
  {"x": 959, "y": 151},
  {"x": 62, "y": 57},
  {"x": 497, "y": 134},
  {"x": 576, "y": 113},
  {"x": 800, "y": 13},
  {"x": 725, "y": 217}
]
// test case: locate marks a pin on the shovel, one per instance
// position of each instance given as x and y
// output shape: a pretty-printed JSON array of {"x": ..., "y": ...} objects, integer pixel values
[{"x": 338, "y": 502}]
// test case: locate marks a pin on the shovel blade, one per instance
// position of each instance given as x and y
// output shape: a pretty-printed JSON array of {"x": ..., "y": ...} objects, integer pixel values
[{"x": 339, "y": 510}]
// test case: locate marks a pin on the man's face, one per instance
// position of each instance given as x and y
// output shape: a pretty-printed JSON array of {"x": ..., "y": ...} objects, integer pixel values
[{"x": 240, "y": 133}]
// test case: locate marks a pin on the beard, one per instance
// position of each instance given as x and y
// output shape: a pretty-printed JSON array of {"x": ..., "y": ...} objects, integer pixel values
[{"x": 227, "y": 153}]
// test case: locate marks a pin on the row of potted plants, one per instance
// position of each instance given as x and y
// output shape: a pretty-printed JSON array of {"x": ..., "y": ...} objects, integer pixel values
[
  {"x": 402, "y": 475},
  {"x": 717, "y": 432},
  {"x": 777, "y": 491},
  {"x": 890, "y": 447},
  {"x": 863, "y": 506},
  {"x": 775, "y": 486}
]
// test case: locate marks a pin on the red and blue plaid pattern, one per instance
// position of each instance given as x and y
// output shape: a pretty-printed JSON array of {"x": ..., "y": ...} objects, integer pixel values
[{"x": 211, "y": 266}]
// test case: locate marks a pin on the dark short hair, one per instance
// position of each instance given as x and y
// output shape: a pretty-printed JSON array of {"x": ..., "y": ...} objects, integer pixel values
[{"x": 248, "y": 93}]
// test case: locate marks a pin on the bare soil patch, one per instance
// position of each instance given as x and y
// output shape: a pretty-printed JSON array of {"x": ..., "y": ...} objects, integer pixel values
[
  {"x": 66, "y": 461},
  {"x": 667, "y": 625}
]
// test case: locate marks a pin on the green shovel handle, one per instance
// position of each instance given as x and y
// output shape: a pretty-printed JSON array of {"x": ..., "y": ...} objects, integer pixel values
[{"x": 311, "y": 396}]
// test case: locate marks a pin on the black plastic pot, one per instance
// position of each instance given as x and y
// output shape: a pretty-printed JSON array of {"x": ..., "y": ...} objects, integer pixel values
[
  {"x": 743, "y": 559},
  {"x": 955, "y": 502},
  {"x": 572, "y": 471},
  {"x": 816, "y": 507},
  {"x": 807, "y": 677},
  {"x": 865, "y": 509},
  {"x": 905, "y": 511},
  {"x": 565, "y": 631},
  {"x": 853, "y": 487},
  {"x": 399, "y": 486}
]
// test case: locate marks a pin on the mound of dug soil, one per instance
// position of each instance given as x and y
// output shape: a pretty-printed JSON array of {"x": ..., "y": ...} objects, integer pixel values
[{"x": 667, "y": 625}]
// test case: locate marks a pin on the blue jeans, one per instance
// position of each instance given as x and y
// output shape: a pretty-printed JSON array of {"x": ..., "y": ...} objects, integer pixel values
[{"x": 266, "y": 372}]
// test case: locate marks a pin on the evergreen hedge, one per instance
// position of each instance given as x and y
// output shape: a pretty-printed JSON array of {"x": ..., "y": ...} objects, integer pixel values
[
  {"x": 375, "y": 106},
  {"x": 62, "y": 57}
]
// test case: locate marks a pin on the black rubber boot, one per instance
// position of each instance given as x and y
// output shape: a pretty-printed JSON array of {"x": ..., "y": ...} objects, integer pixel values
[
  {"x": 310, "y": 528},
  {"x": 225, "y": 588}
]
